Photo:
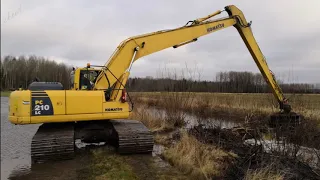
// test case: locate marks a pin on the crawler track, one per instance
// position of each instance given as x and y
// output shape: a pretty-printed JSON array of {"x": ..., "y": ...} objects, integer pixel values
[
  {"x": 133, "y": 137},
  {"x": 53, "y": 141}
]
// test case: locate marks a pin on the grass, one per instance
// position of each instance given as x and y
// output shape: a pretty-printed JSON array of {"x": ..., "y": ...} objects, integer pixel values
[
  {"x": 154, "y": 121},
  {"x": 166, "y": 120},
  {"x": 199, "y": 160},
  {"x": 263, "y": 174},
  {"x": 238, "y": 105},
  {"x": 107, "y": 165},
  {"x": 5, "y": 93},
  {"x": 163, "y": 139}
]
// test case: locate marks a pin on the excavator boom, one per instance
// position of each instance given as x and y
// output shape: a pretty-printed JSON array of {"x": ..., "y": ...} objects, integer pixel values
[{"x": 136, "y": 47}]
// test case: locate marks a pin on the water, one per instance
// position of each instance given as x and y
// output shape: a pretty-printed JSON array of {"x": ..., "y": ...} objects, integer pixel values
[
  {"x": 193, "y": 120},
  {"x": 304, "y": 154},
  {"x": 15, "y": 143}
]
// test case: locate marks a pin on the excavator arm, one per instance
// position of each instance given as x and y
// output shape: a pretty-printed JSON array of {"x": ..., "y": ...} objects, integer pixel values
[
  {"x": 116, "y": 71},
  {"x": 246, "y": 34}
]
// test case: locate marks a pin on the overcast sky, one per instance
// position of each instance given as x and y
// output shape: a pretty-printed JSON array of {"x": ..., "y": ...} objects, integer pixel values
[{"x": 79, "y": 31}]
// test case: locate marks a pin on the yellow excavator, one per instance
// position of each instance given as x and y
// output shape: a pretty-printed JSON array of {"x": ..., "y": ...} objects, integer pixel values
[{"x": 97, "y": 107}]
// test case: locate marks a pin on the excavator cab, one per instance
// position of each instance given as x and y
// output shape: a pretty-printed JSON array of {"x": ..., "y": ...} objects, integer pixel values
[{"x": 85, "y": 78}]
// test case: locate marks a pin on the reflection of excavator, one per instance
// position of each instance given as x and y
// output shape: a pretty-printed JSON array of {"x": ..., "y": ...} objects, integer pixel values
[{"x": 96, "y": 111}]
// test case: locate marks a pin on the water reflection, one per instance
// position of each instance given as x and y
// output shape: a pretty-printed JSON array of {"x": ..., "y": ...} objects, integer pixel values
[
  {"x": 304, "y": 154},
  {"x": 68, "y": 169},
  {"x": 193, "y": 120}
]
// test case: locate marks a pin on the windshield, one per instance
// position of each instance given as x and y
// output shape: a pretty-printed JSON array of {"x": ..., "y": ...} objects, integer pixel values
[{"x": 88, "y": 78}]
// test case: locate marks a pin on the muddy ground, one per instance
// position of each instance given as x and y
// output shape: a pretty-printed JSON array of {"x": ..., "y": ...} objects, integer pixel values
[{"x": 16, "y": 160}]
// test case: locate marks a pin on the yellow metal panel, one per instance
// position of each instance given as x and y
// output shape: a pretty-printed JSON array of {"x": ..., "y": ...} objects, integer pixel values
[
  {"x": 58, "y": 100},
  {"x": 76, "y": 79},
  {"x": 83, "y": 102},
  {"x": 78, "y": 117},
  {"x": 19, "y": 108},
  {"x": 19, "y": 120},
  {"x": 13, "y": 103}
]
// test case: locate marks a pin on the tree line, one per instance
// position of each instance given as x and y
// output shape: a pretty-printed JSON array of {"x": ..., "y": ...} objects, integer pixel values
[
  {"x": 226, "y": 82},
  {"x": 19, "y": 72}
]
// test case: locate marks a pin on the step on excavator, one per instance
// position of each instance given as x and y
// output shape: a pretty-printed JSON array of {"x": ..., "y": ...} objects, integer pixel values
[{"x": 96, "y": 108}]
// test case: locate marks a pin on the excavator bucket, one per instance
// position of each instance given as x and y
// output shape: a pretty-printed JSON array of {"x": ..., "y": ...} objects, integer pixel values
[{"x": 285, "y": 120}]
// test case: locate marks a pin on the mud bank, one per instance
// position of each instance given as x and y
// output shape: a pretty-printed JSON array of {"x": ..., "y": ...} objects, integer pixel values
[{"x": 254, "y": 155}]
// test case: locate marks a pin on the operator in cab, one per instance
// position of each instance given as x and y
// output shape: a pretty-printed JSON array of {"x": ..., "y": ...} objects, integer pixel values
[{"x": 85, "y": 82}]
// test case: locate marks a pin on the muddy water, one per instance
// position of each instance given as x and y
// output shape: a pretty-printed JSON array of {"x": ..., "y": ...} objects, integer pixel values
[
  {"x": 193, "y": 120},
  {"x": 304, "y": 154},
  {"x": 16, "y": 160},
  {"x": 15, "y": 144}
]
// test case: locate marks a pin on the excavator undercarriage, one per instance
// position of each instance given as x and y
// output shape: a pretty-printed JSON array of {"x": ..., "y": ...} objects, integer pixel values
[{"x": 56, "y": 141}]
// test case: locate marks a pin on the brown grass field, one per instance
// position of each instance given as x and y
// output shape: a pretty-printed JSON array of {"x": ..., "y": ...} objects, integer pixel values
[{"x": 246, "y": 104}]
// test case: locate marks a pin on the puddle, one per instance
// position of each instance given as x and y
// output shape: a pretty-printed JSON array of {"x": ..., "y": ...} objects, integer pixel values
[
  {"x": 15, "y": 144},
  {"x": 193, "y": 120},
  {"x": 79, "y": 144},
  {"x": 157, "y": 150}
]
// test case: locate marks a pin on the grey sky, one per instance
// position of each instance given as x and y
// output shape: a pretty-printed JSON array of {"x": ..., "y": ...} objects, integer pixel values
[{"x": 81, "y": 31}]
